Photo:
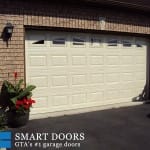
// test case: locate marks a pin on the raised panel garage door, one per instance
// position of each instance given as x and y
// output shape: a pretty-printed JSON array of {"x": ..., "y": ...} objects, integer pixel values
[{"x": 76, "y": 70}]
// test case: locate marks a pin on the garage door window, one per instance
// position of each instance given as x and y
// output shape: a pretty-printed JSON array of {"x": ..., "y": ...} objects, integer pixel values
[
  {"x": 138, "y": 44},
  {"x": 39, "y": 42},
  {"x": 113, "y": 42},
  {"x": 59, "y": 41},
  {"x": 126, "y": 43},
  {"x": 78, "y": 41}
]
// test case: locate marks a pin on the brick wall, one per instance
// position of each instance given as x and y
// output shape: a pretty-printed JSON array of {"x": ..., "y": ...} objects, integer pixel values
[
  {"x": 12, "y": 56},
  {"x": 45, "y": 14},
  {"x": 85, "y": 18}
]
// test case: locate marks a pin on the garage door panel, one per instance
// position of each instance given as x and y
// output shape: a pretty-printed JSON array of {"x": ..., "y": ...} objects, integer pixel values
[
  {"x": 79, "y": 60},
  {"x": 140, "y": 68},
  {"x": 42, "y": 98},
  {"x": 115, "y": 50},
  {"x": 59, "y": 60},
  {"x": 56, "y": 48},
  {"x": 40, "y": 81},
  {"x": 60, "y": 100},
  {"x": 94, "y": 52},
  {"x": 37, "y": 72},
  {"x": 112, "y": 86},
  {"x": 94, "y": 97},
  {"x": 140, "y": 59},
  {"x": 79, "y": 98},
  {"x": 112, "y": 77},
  {"x": 127, "y": 77},
  {"x": 129, "y": 68},
  {"x": 59, "y": 91},
  {"x": 139, "y": 84},
  {"x": 112, "y": 69},
  {"x": 112, "y": 60},
  {"x": 77, "y": 50},
  {"x": 41, "y": 102},
  {"x": 127, "y": 85},
  {"x": 96, "y": 69},
  {"x": 140, "y": 52},
  {"x": 38, "y": 61},
  {"x": 140, "y": 76},
  {"x": 112, "y": 95},
  {"x": 77, "y": 68},
  {"x": 96, "y": 78},
  {"x": 127, "y": 52},
  {"x": 74, "y": 71},
  {"x": 96, "y": 87},
  {"x": 79, "y": 79},
  {"x": 128, "y": 93},
  {"x": 60, "y": 80},
  {"x": 96, "y": 60},
  {"x": 39, "y": 92},
  {"x": 127, "y": 60}
]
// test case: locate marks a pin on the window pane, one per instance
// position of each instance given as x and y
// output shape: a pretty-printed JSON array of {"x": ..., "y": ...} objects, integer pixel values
[
  {"x": 39, "y": 42},
  {"x": 138, "y": 45},
  {"x": 60, "y": 41},
  {"x": 113, "y": 42},
  {"x": 127, "y": 44},
  {"x": 78, "y": 41}
]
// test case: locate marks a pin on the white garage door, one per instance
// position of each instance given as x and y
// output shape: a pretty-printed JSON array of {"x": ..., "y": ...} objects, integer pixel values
[{"x": 75, "y": 70}]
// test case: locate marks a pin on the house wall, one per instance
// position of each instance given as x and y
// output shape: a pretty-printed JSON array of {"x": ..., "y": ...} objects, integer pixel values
[{"x": 37, "y": 13}]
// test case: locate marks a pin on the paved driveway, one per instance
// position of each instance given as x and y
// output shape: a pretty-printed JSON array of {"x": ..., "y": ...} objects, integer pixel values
[{"x": 115, "y": 129}]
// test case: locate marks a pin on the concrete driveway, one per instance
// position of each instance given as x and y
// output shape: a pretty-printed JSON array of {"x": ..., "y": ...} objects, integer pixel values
[{"x": 125, "y": 128}]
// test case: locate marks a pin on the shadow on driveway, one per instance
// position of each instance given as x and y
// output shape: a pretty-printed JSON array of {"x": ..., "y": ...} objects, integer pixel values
[{"x": 125, "y": 128}]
